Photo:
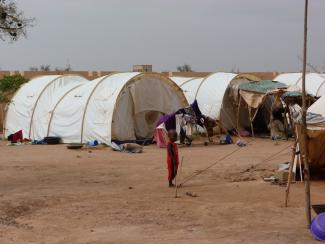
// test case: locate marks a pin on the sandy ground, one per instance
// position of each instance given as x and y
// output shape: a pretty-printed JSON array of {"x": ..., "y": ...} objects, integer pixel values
[{"x": 53, "y": 195}]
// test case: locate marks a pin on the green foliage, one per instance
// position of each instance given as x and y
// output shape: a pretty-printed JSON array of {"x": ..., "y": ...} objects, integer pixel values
[
  {"x": 9, "y": 85},
  {"x": 184, "y": 68}
]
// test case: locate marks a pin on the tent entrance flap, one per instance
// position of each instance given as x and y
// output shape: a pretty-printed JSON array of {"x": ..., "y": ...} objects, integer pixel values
[
  {"x": 140, "y": 105},
  {"x": 253, "y": 99},
  {"x": 258, "y": 106},
  {"x": 145, "y": 123}
]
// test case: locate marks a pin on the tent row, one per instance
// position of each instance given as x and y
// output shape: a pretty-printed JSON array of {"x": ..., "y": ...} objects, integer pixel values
[
  {"x": 217, "y": 97},
  {"x": 119, "y": 106},
  {"x": 315, "y": 82},
  {"x": 126, "y": 106}
]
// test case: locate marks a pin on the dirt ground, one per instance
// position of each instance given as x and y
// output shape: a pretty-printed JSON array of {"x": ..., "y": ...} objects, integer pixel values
[{"x": 50, "y": 194}]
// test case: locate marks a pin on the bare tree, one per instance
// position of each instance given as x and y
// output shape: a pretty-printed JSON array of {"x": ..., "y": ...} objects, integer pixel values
[
  {"x": 45, "y": 67},
  {"x": 13, "y": 23},
  {"x": 33, "y": 68},
  {"x": 67, "y": 68},
  {"x": 184, "y": 68},
  {"x": 313, "y": 68}
]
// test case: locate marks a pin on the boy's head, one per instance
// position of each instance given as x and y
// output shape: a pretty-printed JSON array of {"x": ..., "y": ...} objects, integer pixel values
[{"x": 172, "y": 135}]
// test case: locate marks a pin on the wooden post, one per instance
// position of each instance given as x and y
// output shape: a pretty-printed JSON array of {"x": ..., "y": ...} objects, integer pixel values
[
  {"x": 304, "y": 123},
  {"x": 250, "y": 119},
  {"x": 3, "y": 121},
  {"x": 255, "y": 114},
  {"x": 294, "y": 149},
  {"x": 238, "y": 110}
]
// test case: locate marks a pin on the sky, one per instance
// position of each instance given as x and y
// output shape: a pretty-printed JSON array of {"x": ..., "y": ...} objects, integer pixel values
[{"x": 209, "y": 35}]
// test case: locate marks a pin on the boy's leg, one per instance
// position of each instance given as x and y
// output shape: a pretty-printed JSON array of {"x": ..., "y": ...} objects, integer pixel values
[{"x": 171, "y": 183}]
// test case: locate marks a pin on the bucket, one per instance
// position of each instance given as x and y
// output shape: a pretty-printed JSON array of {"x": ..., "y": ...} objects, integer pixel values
[{"x": 317, "y": 227}]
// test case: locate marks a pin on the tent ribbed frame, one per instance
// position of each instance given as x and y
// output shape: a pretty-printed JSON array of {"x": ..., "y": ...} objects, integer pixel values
[
  {"x": 188, "y": 81},
  {"x": 39, "y": 97},
  {"x": 239, "y": 76},
  {"x": 36, "y": 102},
  {"x": 7, "y": 108},
  {"x": 56, "y": 105},
  {"x": 171, "y": 83},
  {"x": 322, "y": 84},
  {"x": 87, "y": 103}
]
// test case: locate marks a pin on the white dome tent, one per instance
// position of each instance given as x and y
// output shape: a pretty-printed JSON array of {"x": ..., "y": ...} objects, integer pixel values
[
  {"x": 315, "y": 82},
  {"x": 179, "y": 80},
  {"x": 120, "y": 106},
  {"x": 31, "y": 106},
  {"x": 214, "y": 94}
]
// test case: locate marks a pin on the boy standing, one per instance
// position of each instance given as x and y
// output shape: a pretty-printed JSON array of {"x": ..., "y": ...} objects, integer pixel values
[{"x": 172, "y": 157}]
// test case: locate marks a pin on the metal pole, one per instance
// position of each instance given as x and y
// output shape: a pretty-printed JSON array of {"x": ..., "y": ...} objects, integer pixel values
[{"x": 304, "y": 124}]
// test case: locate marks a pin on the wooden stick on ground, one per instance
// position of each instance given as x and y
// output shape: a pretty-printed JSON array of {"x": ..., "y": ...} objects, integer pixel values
[
  {"x": 180, "y": 170},
  {"x": 294, "y": 149}
]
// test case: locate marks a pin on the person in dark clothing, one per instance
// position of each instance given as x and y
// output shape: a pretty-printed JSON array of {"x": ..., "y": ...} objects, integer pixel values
[
  {"x": 209, "y": 124},
  {"x": 172, "y": 157}
]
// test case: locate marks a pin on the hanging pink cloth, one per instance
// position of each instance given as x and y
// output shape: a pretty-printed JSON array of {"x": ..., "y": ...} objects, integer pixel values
[{"x": 160, "y": 136}]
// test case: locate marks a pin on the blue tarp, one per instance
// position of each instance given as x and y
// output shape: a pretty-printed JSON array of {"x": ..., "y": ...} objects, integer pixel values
[{"x": 263, "y": 86}]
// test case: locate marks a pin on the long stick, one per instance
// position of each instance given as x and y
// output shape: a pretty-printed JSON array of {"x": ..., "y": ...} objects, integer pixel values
[
  {"x": 294, "y": 149},
  {"x": 238, "y": 110},
  {"x": 176, "y": 186},
  {"x": 304, "y": 123}
]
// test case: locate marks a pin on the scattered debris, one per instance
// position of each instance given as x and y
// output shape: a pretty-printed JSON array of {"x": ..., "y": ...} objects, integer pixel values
[
  {"x": 280, "y": 177},
  {"x": 127, "y": 147},
  {"x": 241, "y": 143},
  {"x": 269, "y": 179},
  {"x": 191, "y": 194},
  {"x": 92, "y": 143},
  {"x": 226, "y": 139},
  {"x": 74, "y": 146}
]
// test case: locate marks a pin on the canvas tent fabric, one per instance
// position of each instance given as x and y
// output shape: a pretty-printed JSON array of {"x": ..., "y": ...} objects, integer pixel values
[
  {"x": 263, "y": 86},
  {"x": 190, "y": 88},
  {"x": 254, "y": 93},
  {"x": 32, "y": 105},
  {"x": 315, "y": 132},
  {"x": 289, "y": 79},
  {"x": 121, "y": 106},
  {"x": 215, "y": 95},
  {"x": 180, "y": 80},
  {"x": 317, "y": 108},
  {"x": 292, "y": 94},
  {"x": 315, "y": 82}
]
